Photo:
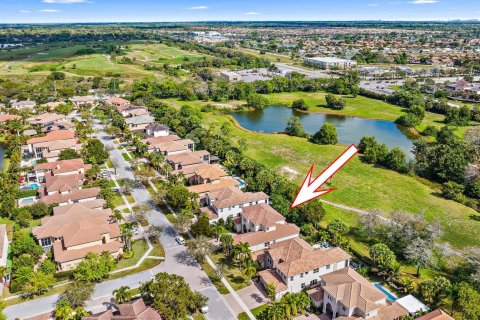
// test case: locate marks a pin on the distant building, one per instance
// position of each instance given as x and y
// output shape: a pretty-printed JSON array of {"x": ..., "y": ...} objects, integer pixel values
[
  {"x": 157, "y": 130},
  {"x": 26, "y": 104},
  {"x": 231, "y": 76},
  {"x": 139, "y": 123},
  {"x": 328, "y": 63}
]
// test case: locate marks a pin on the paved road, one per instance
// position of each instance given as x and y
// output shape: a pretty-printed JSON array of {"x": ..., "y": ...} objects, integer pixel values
[{"x": 176, "y": 262}]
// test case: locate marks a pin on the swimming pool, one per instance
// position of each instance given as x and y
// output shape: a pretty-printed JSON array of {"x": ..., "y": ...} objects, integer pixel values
[
  {"x": 390, "y": 296},
  {"x": 34, "y": 186},
  {"x": 241, "y": 183},
  {"x": 26, "y": 200}
]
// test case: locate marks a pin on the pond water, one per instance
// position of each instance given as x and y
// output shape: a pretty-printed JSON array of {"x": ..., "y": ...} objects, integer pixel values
[
  {"x": 2, "y": 156},
  {"x": 350, "y": 129}
]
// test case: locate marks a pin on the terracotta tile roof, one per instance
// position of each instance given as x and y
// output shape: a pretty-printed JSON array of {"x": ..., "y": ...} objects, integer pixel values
[
  {"x": 212, "y": 215},
  {"x": 117, "y": 101},
  {"x": 188, "y": 157},
  {"x": 3, "y": 237},
  {"x": 45, "y": 118},
  {"x": 52, "y": 136},
  {"x": 393, "y": 312},
  {"x": 262, "y": 214},
  {"x": 75, "y": 195},
  {"x": 316, "y": 294},
  {"x": 157, "y": 127},
  {"x": 9, "y": 117},
  {"x": 61, "y": 255},
  {"x": 64, "y": 182},
  {"x": 58, "y": 144},
  {"x": 259, "y": 237},
  {"x": 94, "y": 204},
  {"x": 231, "y": 196},
  {"x": 63, "y": 166},
  {"x": 137, "y": 120},
  {"x": 133, "y": 310},
  {"x": 270, "y": 276},
  {"x": 138, "y": 112},
  {"x": 353, "y": 290},
  {"x": 210, "y": 187},
  {"x": 78, "y": 225},
  {"x": 298, "y": 256},
  {"x": 438, "y": 314},
  {"x": 154, "y": 141},
  {"x": 210, "y": 171}
]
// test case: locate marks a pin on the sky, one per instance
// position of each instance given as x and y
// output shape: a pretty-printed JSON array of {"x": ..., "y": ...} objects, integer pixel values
[{"x": 52, "y": 11}]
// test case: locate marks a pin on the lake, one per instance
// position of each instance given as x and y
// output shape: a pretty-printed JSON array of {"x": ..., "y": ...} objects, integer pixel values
[{"x": 350, "y": 129}]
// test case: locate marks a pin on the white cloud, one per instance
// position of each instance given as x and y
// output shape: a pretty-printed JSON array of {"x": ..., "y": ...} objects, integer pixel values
[
  {"x": 198, "y": 8},
  {"x": 65, "y": 1},
  {"x": 49, "y": 10},
  {"x": 24, "y": 11},
  {"x": 373, "y": 5},
  {"x": 423, "y": 1},
  {"x": 251, "y": 13}
]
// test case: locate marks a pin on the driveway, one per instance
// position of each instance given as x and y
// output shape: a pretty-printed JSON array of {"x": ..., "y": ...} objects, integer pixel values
[
  {"x": 253, "y": 296},
  {"x": 176, "y": 262}
]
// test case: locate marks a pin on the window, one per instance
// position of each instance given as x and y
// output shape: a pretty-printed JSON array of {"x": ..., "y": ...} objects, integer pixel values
[
  {"x": 266, "y": 244},
  {"x": 313, "y": 282},
  {"x": 303, "y": 285},
  {"x": 315, "y": 270},
  {"x": 301, "y": 275},
  {"x": 291, "y": 278},
  {"x": 306, "y": 272},
  {"x": 328, "y": 266},
  {"x": 46, "y": 242}
]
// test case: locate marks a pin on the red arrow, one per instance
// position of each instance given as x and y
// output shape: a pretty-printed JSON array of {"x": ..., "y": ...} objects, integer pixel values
[{"x": 309, "y": 188}]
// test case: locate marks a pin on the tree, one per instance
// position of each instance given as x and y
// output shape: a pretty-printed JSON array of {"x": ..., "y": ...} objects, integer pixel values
[
  {"x": 95, "y": 267},
  {"x": 63, "y": 310},
  {"x": 250, "y": 269},
  {"x": 77, "y": 293},
  {"x": 141, "y": 212},
  {"x": 24, "y": 243},
  {"x": 127, "y": 234},
  {"x": 68, "y": 154},
  {"x": 183, "y": 222},
  {"x": 47, "y": 267},
  {"x": 257, "y": 101},
  {"x": 94, "y": 151},
  {"x": 202, "y": 226},
  {"x": 122, "y": 294},
  {"x": 299, "y": 105},
  {"x": 434, "y": 290},
  {"x": 334, "y": 102},
  {"x": 382, "y": 256},
  {"x": 154, "y": 232},
  {"x": 326, "y": 135},
  {"x": 276, "y": 311},
  {"x": 40, "y": 209},
  {"x": 271, "y": 291},
  {"x": 337, "y": 229},
  {"x": 369, "y": 222},
  {"x": 171, "y": 296},
  {"x": 38, "y": 283},
  {"x": 396, "y": 159},
  {"x": 408, "y": 120},
  {"x": 452, "y": 190},
  {"x": 226, "y": 240},
  {"x": 466, "y": 299},
  {"x": 241, "y": 252},
  {"x": 114, "y": 165},
  {"x": 199, "y": 248},
  {"x": 295, "y": 127}
]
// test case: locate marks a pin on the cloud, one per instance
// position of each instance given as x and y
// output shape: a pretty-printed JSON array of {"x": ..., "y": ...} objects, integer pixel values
[
  {"x": 423, "y": 1},
  {"x": 251, "y": 13},
  {"x": 198, "y": 8},
  {"x": 65, "y": 1},
  {"x": 49, "y": 10},
  {"x": 373, "y": 5},
  {"x": 24, "y": 11}
]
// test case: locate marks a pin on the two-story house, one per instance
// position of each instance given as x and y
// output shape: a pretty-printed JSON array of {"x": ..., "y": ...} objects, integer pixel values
[
  {"x": 293, "y": 265},
  {"x": 139, "y": 123},
  {"x": 187, "y": 161},
  {"x": 230, "y": 202},
  {"x": 74, "y": 233},
  {"x": 261, "y": 225},
  {"x": 57, "y": 168},
  {"x": 157, "y": 130},
  {"x": 50, "y": 145}
]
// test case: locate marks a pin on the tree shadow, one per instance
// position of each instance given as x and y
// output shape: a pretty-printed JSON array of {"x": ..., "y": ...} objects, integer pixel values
[
  {"x": 474, "y": 217},
  {"x": 257, "y": 298},
  {"x": 184, "y": 258},
  {"x": 205, "y": 281}
]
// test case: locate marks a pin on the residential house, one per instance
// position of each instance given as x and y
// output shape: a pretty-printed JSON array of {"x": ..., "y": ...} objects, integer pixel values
[
  {"x": 139, "y": 123},
  {"x": 50, "y": 145},
  {"x": 345, "y": 294},
  {"x": 230, "y": 202},
  {"x": 57, "y": 168},
  {"x": 133, "y": 111},
  {"x": 4, "y": 118},
  {"x": 117, "y": 102},
  {"x": 261, "y": 225},
  {"x": 438, "y": 314},
  {"x": 187, "y": 161},
  {"x": 293, "y": 265},
  {"x": 83, "y": 100},
  {"x": 157, "y": 130},
  {"x": 50, "y": 121},
  {"x": 25, "y": 104},
  {"x": 73, "y": 234},
  {"x": 230, "y": 76},
  {"x": 169, "y": 145},
  {"x": 3, "y": 245},
  {"x": 70, "y": 195},
  {"x": 52, "y": 105},
  {"x": 134, "y": 310},
  {"x": 208, "y": 178},
  {"x": 63, "y": 183}
]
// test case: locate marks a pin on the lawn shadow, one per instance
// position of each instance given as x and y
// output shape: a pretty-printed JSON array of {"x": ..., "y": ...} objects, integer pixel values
[{"x": 474, "y": 217}]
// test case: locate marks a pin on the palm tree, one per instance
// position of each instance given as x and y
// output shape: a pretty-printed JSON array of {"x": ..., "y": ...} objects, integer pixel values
[
  {"x": 276, "y": 311},
  {"x": 303, "y": 301},
  {"x": 250, "y": 269},
  {"x": 156, "y": 159},
  {"x": 226, "y": 240},
  {"x": 117, "y": 215},
  {"x": 291, "y": 301},
  {"x": 218, "y": 229},
  {"x": 242, "y": 252},
  {"x": 122, "y": 294},
  {"x": 114, "y": 165},
  {"x": 127, "y": 234}
]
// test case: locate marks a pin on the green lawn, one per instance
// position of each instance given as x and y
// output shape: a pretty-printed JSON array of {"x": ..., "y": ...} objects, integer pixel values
[
  {"x": 139, "y": 248},
  {"x": 361, "y": 185},
  {"x": 214, "y": 278},
  {"x": 233, "y": 274},
  {"x": 255, "y": 311}
]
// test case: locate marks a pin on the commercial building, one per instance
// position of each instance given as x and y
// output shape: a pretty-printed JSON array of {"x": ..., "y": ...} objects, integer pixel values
[{"x": 329, "y": 63}]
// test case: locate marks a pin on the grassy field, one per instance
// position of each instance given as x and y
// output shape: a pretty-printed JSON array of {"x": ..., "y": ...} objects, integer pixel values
[
  {"x": 361, "y": 185},
  {"x": 233, "y": 274},
  {"x": 161, "y": 53},
  {"x": 255, "y": 311},
  {"x": 139, "y": 248}
]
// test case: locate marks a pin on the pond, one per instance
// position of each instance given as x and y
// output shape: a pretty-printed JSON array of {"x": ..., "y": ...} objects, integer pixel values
[
  {"x": 350, "y": 129},
  {"x": 2, "y": 157}
]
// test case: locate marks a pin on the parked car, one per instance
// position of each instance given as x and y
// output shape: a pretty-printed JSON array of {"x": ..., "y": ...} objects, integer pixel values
[
  {"x": 180, "y": 240},
  {"x": 204, "y": 309}
]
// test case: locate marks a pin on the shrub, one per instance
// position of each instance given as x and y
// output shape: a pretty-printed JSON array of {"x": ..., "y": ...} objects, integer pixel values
[{"x": 299, "y": 105}]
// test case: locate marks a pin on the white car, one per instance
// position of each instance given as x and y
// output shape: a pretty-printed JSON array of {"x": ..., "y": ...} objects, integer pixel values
[
  {"x": 180, "y": 240},
  {"x": 204, "y": 310}
]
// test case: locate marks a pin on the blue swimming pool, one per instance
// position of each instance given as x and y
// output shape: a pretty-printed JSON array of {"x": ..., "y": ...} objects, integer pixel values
[
  {"x": 26, "y": 200},
  {"x": 390, "y": 296},
  {"x": 241, "y": 183},
  {"x": 34, "y": 186}
]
